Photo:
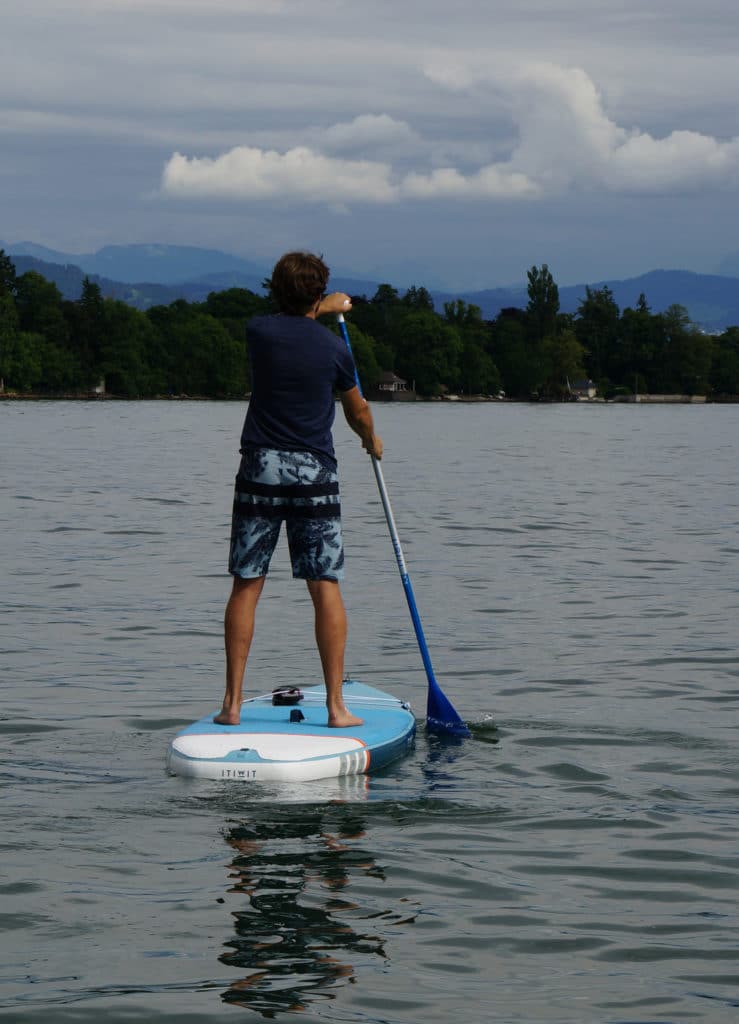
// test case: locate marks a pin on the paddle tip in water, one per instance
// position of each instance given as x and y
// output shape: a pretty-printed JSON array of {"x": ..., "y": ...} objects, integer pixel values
[
  {"x": 455, "y": 727},
  {"x": 441, "y": 716}
]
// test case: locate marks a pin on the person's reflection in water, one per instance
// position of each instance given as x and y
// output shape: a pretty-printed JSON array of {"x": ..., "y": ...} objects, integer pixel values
[{"x": 289, "y": 935}]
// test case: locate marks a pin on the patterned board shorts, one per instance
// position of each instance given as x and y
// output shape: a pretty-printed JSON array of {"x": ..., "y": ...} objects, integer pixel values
[{"x": 272, "y": 486}]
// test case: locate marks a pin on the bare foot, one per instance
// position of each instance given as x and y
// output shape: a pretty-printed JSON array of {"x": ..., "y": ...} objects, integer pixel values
[
  {"x": 343, "y": 720},
  {"x": 228, "y": 717}
]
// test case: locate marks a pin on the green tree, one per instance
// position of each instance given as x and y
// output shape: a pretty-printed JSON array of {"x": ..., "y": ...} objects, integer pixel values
[
  {"x": 37, "y": 364},
  {"x": 39, "y": 304},
  {"x": 597, "y": 327},
  {"x": 61, "y": 371},
  {"x": 8, "y": 280},
  {"x": 690, "y": 352},
  {"x": 515, "y": 354},
  {"x": 23, "y": 354},
  {"x": 697, "y": 362},
  {"x": 129, "y": 354},
  {"x": 87, "y": 325},
  {"x": 543, "y": 305},
  {"x": 31, "y": 358},
  {"x": 684, "y": 356},
  {"x": 725, "y": 366},
  {"x": 41, "y": 314},
  {"x": 378, "y": 316},
  {"x": 428, "y": 352},
  {"x": 464, "y": 315},
  {"x": 478, "y": 372},
  {"x": 385, "y": 355},
  {"x": 201, "y": 357},
  {"x": 385, "y": 295},
  {"x": 234, "y": 307},
  {"x": 418, "y": 298},
  {"x": 639, "y": 335},
  {"x": 365, "y": 358},
  {"x": 562, "y": 358},
  {"x": 8, "y": 334}
]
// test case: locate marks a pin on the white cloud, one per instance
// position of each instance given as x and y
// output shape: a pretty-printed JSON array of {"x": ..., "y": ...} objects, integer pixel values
[
  {"x": 249, "y": 173},
  {"x": 682, "y": 160},
  {"x": 566, "y": 142},
  {"x": 302, "y": 174},
  {"x": 492, "y": 182}
]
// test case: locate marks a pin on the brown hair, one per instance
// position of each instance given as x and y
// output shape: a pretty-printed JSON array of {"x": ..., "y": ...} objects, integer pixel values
[{"x": 298, "y": 281}]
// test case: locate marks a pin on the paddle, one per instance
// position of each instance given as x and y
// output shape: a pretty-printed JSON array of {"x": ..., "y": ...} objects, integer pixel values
[{"x": 440, "y": 714}]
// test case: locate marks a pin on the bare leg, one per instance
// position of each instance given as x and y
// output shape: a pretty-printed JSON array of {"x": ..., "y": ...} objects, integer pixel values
[
  {"x": 239, "y": 630},
  {"x": 331, "y": 640}
]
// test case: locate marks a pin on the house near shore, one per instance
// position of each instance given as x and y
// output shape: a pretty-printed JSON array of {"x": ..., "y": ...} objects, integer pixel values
[
  {"x": 391, "y": 388},
  {"x": 584, "y": 390}
]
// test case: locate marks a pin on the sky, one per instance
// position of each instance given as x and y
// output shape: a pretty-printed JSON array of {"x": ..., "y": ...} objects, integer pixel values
[{"x": 451, "y": 145}]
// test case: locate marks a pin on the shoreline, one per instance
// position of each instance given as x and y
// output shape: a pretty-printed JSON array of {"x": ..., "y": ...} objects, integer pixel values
[{"x": 456, "y": 400}]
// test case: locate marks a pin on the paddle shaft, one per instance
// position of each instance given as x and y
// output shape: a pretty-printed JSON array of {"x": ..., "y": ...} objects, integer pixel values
[
  {"x": 402, "y": 569},
  {"x": 450, "y": 721}
]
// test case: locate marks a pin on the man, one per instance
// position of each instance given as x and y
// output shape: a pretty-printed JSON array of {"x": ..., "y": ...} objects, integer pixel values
[{"x": 288, "y": 471}]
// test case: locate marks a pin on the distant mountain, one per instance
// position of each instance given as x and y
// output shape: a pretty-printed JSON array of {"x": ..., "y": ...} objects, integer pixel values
[
  {"x": 712, "y": 301},
  {"x": 68, "y": 279},
  {"x": 156, "y": 264},
  {"x": 148, "y": 275},
  {"x": 39, "y": 252}
]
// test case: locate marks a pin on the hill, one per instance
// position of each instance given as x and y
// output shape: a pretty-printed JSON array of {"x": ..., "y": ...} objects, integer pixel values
[
  {"x": 148, "y": 275},
  {"x": 711, "y": 300},
  {"x": 68, "y": 278},
  {"x": 155, "y": 264}
]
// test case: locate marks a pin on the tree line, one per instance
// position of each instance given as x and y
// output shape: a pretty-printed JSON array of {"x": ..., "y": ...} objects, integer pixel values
[{"x": 52, "y": 346}]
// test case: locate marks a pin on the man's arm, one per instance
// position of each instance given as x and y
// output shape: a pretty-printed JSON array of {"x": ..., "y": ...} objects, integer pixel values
[
  {"x": 359, "y": 417},
  {"x": 336, "y": 302}
]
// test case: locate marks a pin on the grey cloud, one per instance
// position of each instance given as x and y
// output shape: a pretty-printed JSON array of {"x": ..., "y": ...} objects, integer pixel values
[
  {"x": 566, "y": 140},
  {"x": 97, "y": 95}
]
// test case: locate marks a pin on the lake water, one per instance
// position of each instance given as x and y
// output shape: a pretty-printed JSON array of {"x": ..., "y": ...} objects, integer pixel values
[{"x": 576, "y": 860}]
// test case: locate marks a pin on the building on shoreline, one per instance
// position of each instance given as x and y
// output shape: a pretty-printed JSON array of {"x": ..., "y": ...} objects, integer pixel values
[{"x": 391, "y": 388}]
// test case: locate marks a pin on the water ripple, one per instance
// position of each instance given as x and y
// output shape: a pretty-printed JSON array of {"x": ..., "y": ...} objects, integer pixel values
[{"x": 574, "y": 860}]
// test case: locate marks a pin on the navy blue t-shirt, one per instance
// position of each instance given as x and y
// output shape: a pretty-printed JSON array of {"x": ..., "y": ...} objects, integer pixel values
[{"x": 295, "y": 364}]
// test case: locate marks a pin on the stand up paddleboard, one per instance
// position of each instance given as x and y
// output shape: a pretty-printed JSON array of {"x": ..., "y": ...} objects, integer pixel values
[{"x": 290, "y": 741}]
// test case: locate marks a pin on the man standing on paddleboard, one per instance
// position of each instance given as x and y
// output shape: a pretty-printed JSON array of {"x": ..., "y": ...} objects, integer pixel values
[{"x": 288, "y": 471}]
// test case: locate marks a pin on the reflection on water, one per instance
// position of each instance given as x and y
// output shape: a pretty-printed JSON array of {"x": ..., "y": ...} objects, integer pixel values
[
  {"x": 310, "y": 920},
  {"x": 294, "y": 868}
]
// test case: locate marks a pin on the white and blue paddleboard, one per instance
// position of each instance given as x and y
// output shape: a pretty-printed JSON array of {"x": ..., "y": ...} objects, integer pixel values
[{"x": 286, "y": 743}]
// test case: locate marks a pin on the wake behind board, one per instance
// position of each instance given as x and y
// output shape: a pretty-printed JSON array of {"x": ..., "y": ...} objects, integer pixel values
[{"x": 276, "y": 744}]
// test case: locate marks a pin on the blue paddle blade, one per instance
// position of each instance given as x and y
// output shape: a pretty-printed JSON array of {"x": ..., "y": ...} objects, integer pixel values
[{"x": 440, "y": 714}]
